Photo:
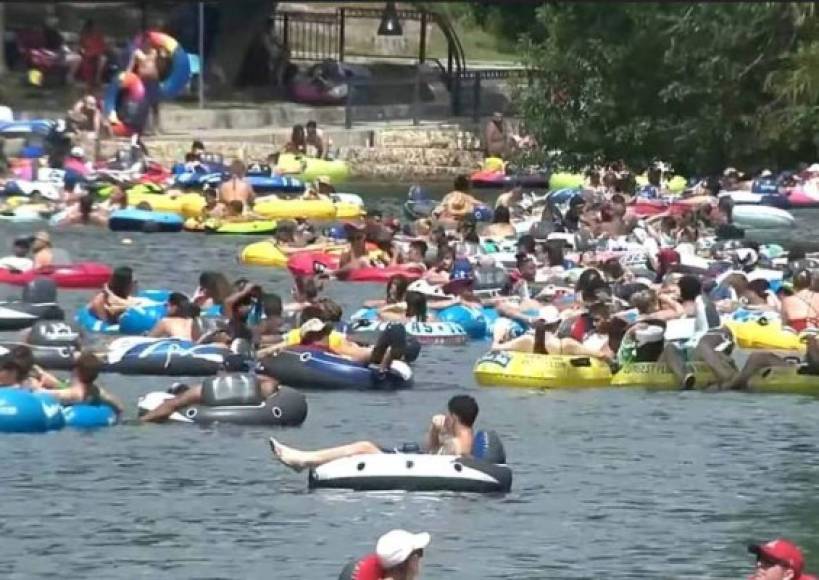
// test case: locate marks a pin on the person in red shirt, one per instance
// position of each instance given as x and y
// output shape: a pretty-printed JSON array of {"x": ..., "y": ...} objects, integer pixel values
[
  {"x": 92, "y": 55},
  {"x": 778, "y": 560},
  {"x": 397, "y": 556}
]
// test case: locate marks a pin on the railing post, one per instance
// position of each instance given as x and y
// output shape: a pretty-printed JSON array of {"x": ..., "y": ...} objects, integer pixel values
[
  {"x": 416, "y": 96},
  {"x": 341, "y": 33},
  {"x": 476, "y": 97},
  {"x": 422, "y": 43},
  {"x": 348, "y": 105}
]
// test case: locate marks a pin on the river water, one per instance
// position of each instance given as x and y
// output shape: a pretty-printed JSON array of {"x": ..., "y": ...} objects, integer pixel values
[{"x": 607, "y": 483}]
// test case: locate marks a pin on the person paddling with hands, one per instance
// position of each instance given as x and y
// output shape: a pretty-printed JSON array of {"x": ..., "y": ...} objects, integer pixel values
[
  {"x": 448, "y": 434},
  {"x": 82, "y": 388}
]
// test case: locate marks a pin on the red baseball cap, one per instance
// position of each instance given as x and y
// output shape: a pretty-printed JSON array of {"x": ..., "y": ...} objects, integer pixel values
[{"x": 782, "y": 552}]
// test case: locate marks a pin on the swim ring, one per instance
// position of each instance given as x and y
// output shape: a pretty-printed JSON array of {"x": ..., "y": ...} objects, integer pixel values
[
  {"x": 173, "y": 59},
  {"x": 124, "y": 103}
]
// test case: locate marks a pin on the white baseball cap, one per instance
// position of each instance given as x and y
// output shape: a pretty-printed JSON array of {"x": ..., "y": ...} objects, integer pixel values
[
  {"x": 77, "y": 151},
  {"x": 394, "y": 547},
  {"x": 423, "y": 287}
]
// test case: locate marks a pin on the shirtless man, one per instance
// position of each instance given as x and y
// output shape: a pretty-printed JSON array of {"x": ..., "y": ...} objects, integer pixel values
[
  {"x": 178, "y": 322},
  {"x": 236, "y": 188},
  {"x": 357, "y": 256},
  {"x": 41, "y": 250},
  {"x": 144, "y": 64},
  {"x": 449, "y": 434}
]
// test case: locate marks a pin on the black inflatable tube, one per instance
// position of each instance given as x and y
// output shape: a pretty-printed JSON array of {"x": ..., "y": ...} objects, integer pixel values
[
  {"x": 286, "y": 408},
  {"x": 55, "y": 358},
  {"x": 310, "y": 369},
  {"x": 160, "y": 365}
]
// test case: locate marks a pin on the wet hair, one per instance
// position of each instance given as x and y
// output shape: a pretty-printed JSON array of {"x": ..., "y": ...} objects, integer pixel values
[
  {"x": 197, "y": 144},
  {"x": 416, "y": 306},
  {"x": 86, "y": 204},
  {"x": 461, "y": 183},
  {"x": 216, "y": 285},
  {"x": 502, "y": 215},
  {"x": 527, "y": 244},
  {"x": 589, "y": 281},
  {"x": 311, "y": 124},
  {"x": 421, "y": 246},
  {"x": 182, "y": 304},
  {"x": 24, "y": 357},
  {"x": 616, "y": 330},
  {"x": 613, "y": 268},
  {"x": 237, "y": 168},
  {"x": 399, "y": 284},
  {"x": 465, "y": 408},
  {"x": 554, "y": 252},
  {"x": 87, "y": 368},
  {"x": 759, "y": 287},
  {"x": 297, "y": 134},
  {"x": 121, "y": 281},
  {"x": 802, "y": 279},
  {"x": 690, "y": 287},
  {"x": 331, "y": 310},
  {"x": 14, "y": 367},
  {"x": 272, "y": 304},
  {"x": 312, "y": 311}
]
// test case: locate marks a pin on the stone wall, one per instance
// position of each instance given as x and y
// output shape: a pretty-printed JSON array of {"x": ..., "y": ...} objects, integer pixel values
[{"x": 395, "y": 153}]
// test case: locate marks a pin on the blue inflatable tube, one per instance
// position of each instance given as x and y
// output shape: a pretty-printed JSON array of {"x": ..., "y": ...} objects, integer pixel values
[
  {"x": 471, "y": 319},
  {"x": 22, "y": 411},
  {"x": 135, "y": 320},
  {"x": 85, "y": 416},
  {"x": 564, "y": 195},
  {"x": 138, "y": 220},
  {"x": 180, "y": 74},
  {"x": 491, "y": 316},
  {"x": 306, "y": 368},
  {"x": 275, "y": 183}
]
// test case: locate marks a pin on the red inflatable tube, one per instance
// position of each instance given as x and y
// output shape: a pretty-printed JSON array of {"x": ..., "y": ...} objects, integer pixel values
[
  {"x": 381, "y": 274},
  {"x": 311, "y": 263},
  {"x": 83, "y": 275}
]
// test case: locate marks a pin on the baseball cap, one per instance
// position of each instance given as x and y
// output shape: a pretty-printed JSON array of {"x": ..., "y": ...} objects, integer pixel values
[
  {"x": 77, "y": 151},
  {"x": 423, "y": 287},
  {"x": 782, "y": 552},
  {"x": 814, "y": 168},
  {"x": 394, "y": 547},
  {"x": 312, "y": 325}
]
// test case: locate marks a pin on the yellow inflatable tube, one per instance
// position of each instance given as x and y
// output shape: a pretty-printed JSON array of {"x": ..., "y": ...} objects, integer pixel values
[
  {"x": 310, "y": 168},
  {"x": 268, "y": 253},
  {"x": 541, "y": 371},
  {"x": 656, "y": 375},
  {"x": 162, "y": 201},
  {"x": 784, "y": 380},
  {"x": 322, "y": 209},
  {"x": 765, "y": 334}
]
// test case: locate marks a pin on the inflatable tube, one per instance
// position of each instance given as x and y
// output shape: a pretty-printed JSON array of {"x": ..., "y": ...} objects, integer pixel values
[
  {"x": 228, "y": 228},
  {"x": 86, "y": 275},
  {"x": 749, "y": 216},
  {"x": 309, "y": 169},
  {"x": 766, "y": 333},
  {"x": 310, "y": 263},
  {"x": 274, "y": 184},
  {"x": 366, "y": 331},
  {"x": 87, "y": 416},
  {"x": 198, "y": 179},
  {"x": 138, "y": 319},
  {"x": 14, "y": 319},
  {"x": 790, "y": 379},
  {"x": 266, "y": 253},
  {"x": 676, "y": 184},
  {"x": 381, "y": 274},
  {"x": 493, "y": 179},
  {"x": 470, "y": 319},
  {"x": 417, "y": 472},
  {"x": 319, "y": 209},
  {"x": 124, "y": 103},
  {"x": 22, "y": 411},
  {"x": 162, "y": 202},
  {"x": 543, "y": 371},
  {"x": 655, "y": 375},
  {"x": 137, "y": 220},
  {"x": 165, "y": 356},
  {"x": 806, "y": 195},
  {"x": 563, "y": 180},
  {"x": 57, "y": 358},
  {"x": 178, "y": 65},
  {"x": 305, "y": 368},
  {"x": 415, "y": 209}
]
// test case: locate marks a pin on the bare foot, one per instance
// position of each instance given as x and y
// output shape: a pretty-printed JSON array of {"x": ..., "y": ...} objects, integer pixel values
[{"x": 286, "y": 455}]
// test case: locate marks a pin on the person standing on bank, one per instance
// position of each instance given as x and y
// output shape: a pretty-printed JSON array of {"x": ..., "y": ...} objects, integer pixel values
[{"x": 497, "y": 136}]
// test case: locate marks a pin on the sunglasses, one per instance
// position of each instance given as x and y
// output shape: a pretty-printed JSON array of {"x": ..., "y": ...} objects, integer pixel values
[
  {"x": 419, "y": 552},
  {"x": 765, "y": 563}
]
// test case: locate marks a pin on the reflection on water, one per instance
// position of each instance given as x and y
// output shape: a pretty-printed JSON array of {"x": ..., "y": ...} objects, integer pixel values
[{"x": 621, "y": 484}]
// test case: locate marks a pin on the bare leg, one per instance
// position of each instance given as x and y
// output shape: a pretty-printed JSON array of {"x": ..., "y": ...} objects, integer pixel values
[
  {"x": 298, "y": 460},
  {"x": 674, "y": 358},
  {"x": 718, "y": 362},
  {"x": 756, "y": 362},
  {"x": 523, "y": 343},
  {"x": 190, "y": 397}
]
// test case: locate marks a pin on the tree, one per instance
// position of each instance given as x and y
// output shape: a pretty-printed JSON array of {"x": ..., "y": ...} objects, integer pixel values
[{"x": 686, "y": 83}]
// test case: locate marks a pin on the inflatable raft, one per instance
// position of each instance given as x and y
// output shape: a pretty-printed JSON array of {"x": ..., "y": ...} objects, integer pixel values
[
  {"x": 138, "y": 220},
  {"x": 766, "y": 333},
  {"x": 655, "y": 375},
  {"x": 305, "y": 368},
  {"x": 235, "y": 398},
  {"x": 539, "y": 371},
  {"x": 231, "y": 228},
  {"x": 366, "y": 331},
  {"x": 310, "y": 168},
  {"x": 791, "y": 379},
  {"x": 22, "y": 411},
  {"x": 85, "y": 275},
  {"x": 483, "y": 472},
  {"x": 166, "y": 356}
]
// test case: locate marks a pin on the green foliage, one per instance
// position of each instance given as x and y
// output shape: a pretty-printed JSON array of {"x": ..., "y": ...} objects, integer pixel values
[{"x": 701, "y": 85}]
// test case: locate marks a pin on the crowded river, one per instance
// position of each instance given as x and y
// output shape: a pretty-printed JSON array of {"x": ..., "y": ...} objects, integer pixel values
[{"x": 620, "y": 483}]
